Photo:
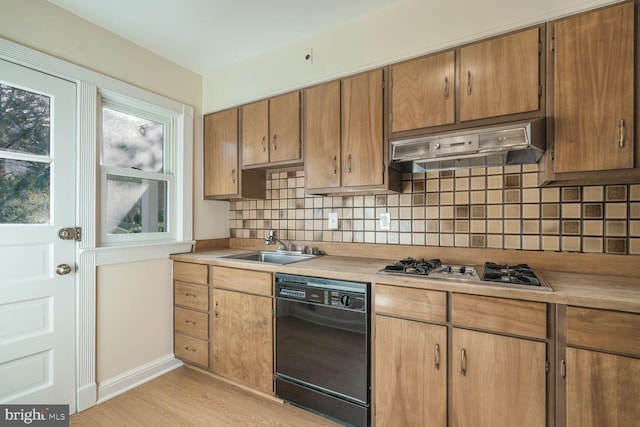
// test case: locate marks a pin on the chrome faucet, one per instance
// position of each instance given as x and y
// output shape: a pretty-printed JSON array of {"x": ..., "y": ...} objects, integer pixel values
[{"x": 272, "y": 238}]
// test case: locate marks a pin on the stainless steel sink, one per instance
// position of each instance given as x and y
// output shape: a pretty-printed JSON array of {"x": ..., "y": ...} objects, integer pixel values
[{"x": 272, "y": 257}]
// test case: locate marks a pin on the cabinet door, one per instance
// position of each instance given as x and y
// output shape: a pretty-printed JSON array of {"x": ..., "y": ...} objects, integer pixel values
[
  {"x": 411, "y": 373},
  {"x": 602, "y": 389},
  {"x": 500, "y": 76},
  {"x": 221, "y": 153},
  {"x": 322, "y": 136},
  {"x": 242, "y": 338},
  {"x": 255, "y": 130},
  {"x": 497, "y": 380},
  {"x": 284, "y": 132},
  {"x": 362, "y": 139},
  {"x": 422, "y": 92},
  {"x": 593, "y": 103}
]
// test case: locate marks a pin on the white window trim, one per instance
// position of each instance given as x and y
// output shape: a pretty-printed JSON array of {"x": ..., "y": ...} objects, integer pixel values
[
  {"x": 172, "y": 141},
  {"x": 88, "y": 255}
]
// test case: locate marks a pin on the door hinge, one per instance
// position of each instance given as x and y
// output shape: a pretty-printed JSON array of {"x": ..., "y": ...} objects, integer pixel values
[
  {"x": 563, "y": 369},
  {"x": 539, "y": 46},
  {"x": 553, "y": 152},
  {"x": 546, "y": 366},
  {"x": 539, "y": 90},
  {"x": 71, "y": 233}
]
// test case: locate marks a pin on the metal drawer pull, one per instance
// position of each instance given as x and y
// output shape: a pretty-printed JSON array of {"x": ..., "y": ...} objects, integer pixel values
[
  {"x": 262, "y": 143},
  {"x": 463, "y": 363},
  {"x": 349, "y": 164},
  {"x": 446, "y": 88},
  {"x": 437, "y": 351},
  {"x": 275, "y": 147},
  {"x": 621, "y": 124},
  {"x": 190, "y": 295},
  {"x": 215, "y": 311},
  {"x": 469, "y": 82},
  {"x": 190, "y": 322},
  {"x": 190, "y": 349},
  {"x": 335, "y": 164}
]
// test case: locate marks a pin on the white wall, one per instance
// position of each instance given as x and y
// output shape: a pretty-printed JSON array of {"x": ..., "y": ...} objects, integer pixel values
[{"x": 401, "y": 30}]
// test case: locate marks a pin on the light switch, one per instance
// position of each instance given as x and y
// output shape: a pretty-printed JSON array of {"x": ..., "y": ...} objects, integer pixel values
[
  {"x": 333, "y": 221},
  {"x": 385, "y": 221}
]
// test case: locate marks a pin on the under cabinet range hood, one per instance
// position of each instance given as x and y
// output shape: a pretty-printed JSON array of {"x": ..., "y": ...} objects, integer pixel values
[{"x": 497, "y": 145}]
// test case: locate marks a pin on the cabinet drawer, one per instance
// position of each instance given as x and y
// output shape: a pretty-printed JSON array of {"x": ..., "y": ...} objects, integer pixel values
[
  {"x": 192, "y": 350},
  {"x": 502, "y": 315},
  {"x": 192, "y": 273},
  {"x": 193, "y": 296},
  {"x": 192, "y": 323},
  {"x": 606, "y": 330},
  {"x": 249, "y": 281},
  {"x": 410, "y": 303}
]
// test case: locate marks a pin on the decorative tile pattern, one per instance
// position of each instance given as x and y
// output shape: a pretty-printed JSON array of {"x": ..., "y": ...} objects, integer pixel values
[{"x": 498, "y": 207}]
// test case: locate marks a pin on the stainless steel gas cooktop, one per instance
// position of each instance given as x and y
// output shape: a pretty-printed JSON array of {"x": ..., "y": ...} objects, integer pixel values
[{"x": 512, "y": 276}]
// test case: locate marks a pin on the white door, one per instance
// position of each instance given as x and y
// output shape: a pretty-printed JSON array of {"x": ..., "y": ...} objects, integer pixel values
[{"x": 37, "y": 199}]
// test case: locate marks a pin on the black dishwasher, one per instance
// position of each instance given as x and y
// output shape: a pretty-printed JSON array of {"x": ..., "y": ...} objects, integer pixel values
[{"x": 323, "y": 346}]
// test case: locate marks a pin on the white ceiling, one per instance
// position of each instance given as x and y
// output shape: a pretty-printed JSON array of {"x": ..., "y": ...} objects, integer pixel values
[{"x": 203, "y": 35}]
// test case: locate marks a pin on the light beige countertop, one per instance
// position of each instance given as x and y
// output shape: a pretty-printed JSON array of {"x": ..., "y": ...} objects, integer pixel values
[{"x": 588, "y": 290}]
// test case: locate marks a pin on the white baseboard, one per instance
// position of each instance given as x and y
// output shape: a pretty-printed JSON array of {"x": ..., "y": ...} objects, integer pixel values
[{"x": 124, "y": 382}]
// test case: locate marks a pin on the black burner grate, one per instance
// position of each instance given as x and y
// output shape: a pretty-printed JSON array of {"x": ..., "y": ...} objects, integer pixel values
[
  {"x": 520, "y": 274},
  {"x": 413, "y": 266}
]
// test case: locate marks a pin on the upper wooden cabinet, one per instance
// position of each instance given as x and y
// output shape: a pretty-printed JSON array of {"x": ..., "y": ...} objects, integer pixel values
[
  {"x": 593, "y": 103},
  {"x": 490, "y": 81},
  {"x": 423, "y": 92},
  {"x": 344, "y": 136},
  {"x": 223, "y": 178},
  {"x": 271, "y": 131},
  {"x": 500, "y": 76}
]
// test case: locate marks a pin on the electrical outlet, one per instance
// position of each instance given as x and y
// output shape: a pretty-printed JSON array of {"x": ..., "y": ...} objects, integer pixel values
[
  {"x": 308, "y": 55},
  {"x": 385, "y": 221},
  {"x": 333, "y": 221}
]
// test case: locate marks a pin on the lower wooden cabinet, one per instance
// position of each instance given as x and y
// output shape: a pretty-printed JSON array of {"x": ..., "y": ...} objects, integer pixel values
[
  {"x": 411, "y": 373},
  {"x": 497, "y": 380},
  {"x": 600, "y": 368},
  {"x": 191, "y": 313},
  {"x": 242, "y": 326}
]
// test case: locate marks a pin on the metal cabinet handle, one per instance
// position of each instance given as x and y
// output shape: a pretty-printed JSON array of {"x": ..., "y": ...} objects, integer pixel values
[
  {"x": 215, "y": 310},
  {"x": 349, "y": 164},
  {"x": 262, "y": 143},
  {"x": 621, "y": 124},
  {"x": 469, "y": 82},
  {"x": 335, "y": 164},
  {"x": 275, "y": 146},
  {"x": 563, "y": 369},
  {"x": 189, "y": 322},
  {"x": 446, "y": 88},
  {"x": 233, "y": 176},
  {"x": 463, "y": 363},
  {"x": 190, "y": 295},
  {"x": 437, "y": 357},
  {"x": 190, "y": 349}
]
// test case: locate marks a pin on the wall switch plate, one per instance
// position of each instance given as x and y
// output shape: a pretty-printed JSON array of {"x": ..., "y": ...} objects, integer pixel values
[
  {"x": 385, "y": 221},
  {"x": 333, "y": 221}
]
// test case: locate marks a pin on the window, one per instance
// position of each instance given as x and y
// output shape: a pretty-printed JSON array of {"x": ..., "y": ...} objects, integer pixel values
[
  {"x": 24, "y": 156},
  {"x": 137, "y": 173}
]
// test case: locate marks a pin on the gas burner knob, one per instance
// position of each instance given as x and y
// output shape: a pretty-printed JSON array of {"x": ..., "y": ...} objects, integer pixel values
[
  {"x": 345, "y": 300},
  {"x": 463, "y": 270},
  {"x": 447, "y": 269}
]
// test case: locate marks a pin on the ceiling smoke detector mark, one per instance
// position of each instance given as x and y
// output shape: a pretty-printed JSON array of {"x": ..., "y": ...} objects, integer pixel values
[{"x": 308, "y": 55}]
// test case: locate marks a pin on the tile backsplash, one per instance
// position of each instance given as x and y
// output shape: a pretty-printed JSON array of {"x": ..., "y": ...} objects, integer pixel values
[{"x": 498, "y": 207}]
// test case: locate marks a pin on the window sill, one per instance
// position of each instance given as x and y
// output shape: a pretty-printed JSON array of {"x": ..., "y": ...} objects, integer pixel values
[{"x": 138, "y": 252}]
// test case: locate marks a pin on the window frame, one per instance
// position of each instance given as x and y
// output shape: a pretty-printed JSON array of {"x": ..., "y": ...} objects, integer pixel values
[{"x": 170, "y": 170}]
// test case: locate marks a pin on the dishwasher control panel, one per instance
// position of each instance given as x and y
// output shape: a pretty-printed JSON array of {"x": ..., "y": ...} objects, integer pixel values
[{"x": 339, "y": 294}]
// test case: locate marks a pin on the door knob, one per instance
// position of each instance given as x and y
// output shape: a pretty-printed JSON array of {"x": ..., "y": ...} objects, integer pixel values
[{"x": 63, "y": 269}]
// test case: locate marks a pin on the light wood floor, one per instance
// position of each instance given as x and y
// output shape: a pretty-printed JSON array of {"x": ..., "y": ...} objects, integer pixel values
[{"x": 186, "y": 397}]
